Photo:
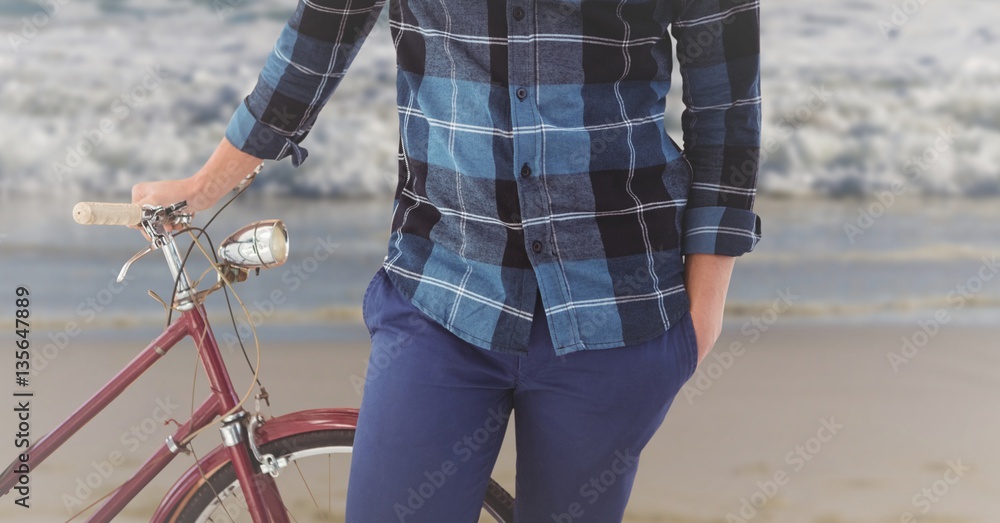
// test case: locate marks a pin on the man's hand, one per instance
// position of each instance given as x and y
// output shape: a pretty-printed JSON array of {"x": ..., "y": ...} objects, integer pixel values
[
  {"x": 706, "y": 277},
  {"x": 168, "y": 192},
  {"x": 224, "y": 170}
]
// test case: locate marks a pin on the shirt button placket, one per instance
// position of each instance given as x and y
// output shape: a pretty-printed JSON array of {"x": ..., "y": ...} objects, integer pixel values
[{"x": 522, "y": 71}]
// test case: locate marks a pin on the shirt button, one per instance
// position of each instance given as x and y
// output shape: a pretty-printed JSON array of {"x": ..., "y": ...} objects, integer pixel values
[
  {"x": 518, "y": 13},
  {"x": 521, "y": 93},
  {"x": 525, "y": 171},
  {"x": 536, "y": 246}
]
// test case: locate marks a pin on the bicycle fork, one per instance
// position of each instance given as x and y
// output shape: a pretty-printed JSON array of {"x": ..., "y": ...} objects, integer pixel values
[
  {"x": 261, "y": 493},
  {"x": 259, "y": 489}
]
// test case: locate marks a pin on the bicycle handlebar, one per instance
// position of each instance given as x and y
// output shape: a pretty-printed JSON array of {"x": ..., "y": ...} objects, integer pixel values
[{"x": 100, "y": 213}]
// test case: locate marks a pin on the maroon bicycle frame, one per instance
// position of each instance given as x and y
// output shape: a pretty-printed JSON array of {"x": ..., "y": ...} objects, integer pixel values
[{"x": 262, "y": 497}]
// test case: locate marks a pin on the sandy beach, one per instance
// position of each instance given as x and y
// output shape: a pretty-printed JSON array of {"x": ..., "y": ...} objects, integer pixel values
[{"x": 807, "y": 423}]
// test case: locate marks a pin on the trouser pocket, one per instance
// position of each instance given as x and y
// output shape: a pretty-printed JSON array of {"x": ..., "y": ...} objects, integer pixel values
[
  {"x": 692, "y": 343},
  {"x": 366, "y": 300}
]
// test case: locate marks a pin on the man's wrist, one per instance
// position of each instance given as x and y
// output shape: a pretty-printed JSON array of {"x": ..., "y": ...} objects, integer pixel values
[{"x": 226, "y": 168}]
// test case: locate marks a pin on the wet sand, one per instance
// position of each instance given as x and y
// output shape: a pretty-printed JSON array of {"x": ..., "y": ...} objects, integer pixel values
[{"x": 810, "y": 423}]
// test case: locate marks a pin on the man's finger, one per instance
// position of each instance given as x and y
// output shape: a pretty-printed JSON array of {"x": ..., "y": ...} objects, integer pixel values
[{"x": 138, "y": 193}]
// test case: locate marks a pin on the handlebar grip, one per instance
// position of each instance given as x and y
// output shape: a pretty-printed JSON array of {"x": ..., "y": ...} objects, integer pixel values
[{"x": 99, "y": 213}]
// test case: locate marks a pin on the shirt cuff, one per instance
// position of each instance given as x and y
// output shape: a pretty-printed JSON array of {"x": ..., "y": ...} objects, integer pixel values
[
  {"x": 726, "y": 231},
  {"x": 255, "y": 138}
]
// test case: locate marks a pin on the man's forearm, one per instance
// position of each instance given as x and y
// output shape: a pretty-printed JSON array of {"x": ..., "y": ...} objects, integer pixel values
[
  {"x": 706, "y": 277},
  {"x": 224, "y": 170}
]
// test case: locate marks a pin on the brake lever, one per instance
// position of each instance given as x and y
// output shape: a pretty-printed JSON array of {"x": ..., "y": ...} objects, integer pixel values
[
  {"x": 153, "y": 223},
  {"x": 133, "y": 259}
]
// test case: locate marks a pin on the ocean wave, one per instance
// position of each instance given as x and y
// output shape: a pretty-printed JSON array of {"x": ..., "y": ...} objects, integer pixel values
[{"x": 853, "y": 102}]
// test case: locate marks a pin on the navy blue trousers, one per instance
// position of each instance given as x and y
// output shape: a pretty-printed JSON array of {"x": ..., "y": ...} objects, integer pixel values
[{"x": 435, "y": 409}]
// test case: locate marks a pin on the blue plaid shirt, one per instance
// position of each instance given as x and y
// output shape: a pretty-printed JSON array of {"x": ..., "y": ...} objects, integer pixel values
[{"x": 533, "y": 156}]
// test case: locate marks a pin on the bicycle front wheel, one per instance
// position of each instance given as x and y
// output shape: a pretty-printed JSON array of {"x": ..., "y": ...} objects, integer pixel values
[{"x": 313, "y": 486}]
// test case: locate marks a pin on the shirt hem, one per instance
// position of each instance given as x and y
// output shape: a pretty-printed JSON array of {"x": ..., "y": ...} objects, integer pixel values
[
  {"x": 470, "y": 338},
  {"x": 673, "y": 314},
  {"x": 658, "y": 330}
]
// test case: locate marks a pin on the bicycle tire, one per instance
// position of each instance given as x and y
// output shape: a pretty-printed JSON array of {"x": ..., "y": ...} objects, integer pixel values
[{"x": 498, "y": 502}]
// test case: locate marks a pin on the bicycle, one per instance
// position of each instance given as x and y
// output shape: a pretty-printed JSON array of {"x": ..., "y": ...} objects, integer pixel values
[{"x": 255, "y": 452}]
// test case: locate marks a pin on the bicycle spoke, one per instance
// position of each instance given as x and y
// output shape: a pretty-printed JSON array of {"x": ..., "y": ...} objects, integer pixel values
[
  {"x": 289, "y": 512},
  {"x": 308, "y": 489},
  {"x": 311, "y": 453}
]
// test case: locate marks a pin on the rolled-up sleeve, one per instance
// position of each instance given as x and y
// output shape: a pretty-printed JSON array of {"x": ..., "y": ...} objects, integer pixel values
[
  {"x": 312, "y": 53},
  {"x": 718, "y": 53}
]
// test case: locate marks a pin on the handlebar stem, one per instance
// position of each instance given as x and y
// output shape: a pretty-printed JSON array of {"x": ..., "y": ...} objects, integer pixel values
[{"x": 183, "y": 298}]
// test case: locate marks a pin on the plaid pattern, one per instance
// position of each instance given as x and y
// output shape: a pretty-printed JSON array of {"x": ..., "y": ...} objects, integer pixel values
[{"x": 533, "y": 156}]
